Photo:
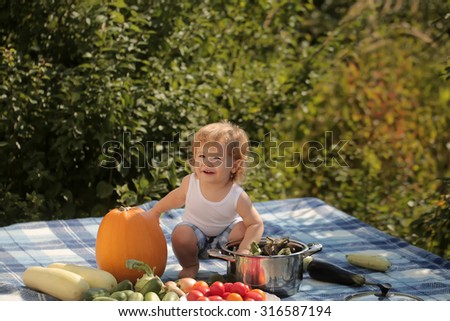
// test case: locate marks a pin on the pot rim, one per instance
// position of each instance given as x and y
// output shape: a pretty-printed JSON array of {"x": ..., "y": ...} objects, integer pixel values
[{"x": 226, "y": 246}]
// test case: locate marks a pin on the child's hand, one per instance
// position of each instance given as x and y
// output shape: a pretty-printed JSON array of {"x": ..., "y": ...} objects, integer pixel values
[{"x": 243, "y": 251}]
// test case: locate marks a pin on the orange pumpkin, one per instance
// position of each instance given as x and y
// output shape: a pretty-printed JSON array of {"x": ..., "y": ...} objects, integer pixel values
[{"x": 127, "y": 233}]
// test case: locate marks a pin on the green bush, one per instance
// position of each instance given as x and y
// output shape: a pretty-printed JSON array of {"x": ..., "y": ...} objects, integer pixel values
[
  {"x": 431, "y": 228},
  {"x": 97, "y": 110},
  {"x": 379, "y": 108}
]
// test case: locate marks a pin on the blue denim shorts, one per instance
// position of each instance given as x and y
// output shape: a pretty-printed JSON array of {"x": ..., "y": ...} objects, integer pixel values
[{"x": 205, "y": 242}]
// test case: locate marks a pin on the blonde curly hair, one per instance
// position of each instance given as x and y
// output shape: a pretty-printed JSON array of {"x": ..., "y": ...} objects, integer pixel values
[{"x": 233, "y": 137}]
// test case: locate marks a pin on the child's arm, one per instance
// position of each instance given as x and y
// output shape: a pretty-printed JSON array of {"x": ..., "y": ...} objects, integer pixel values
[
  {"x": 253, "y": 223},
  {"x": 175, "y": 199}
]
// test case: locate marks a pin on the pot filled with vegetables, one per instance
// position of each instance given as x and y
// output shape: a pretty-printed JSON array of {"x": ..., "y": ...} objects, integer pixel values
[{"x": 275, "y": 265}]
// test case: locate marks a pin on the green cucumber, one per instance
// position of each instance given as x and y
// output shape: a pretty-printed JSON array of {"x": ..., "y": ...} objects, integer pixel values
[
  {"x": 104, "y": 298},
  {"x": 119, "y": 295},
  {"x": 151, "y": 296},
  {"x": 124, "y": 285},
  {"x": 92, "y": 293},
  {"x": 136, "y": 296},
  {"x": 128, "y": 292},
  {"x": 328, "y": 272},
  {"x": 171, "y": 296}
]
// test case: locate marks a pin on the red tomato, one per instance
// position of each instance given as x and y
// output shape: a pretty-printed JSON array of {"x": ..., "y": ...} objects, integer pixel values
[
  {"x": 225, "y": 294},
  {"x": 215, "y": 298},
  {"x": 240, "y": 288},
  {"x": 261, "y": 292},
  {"x": 202, "y": 298},
  {"x": 255, "y": 296},
  {"x": 199, "y": 283},
  {"x": 203, "y": 289},
  {"x": 193, "y": 295},
  {"x": 217, "y": 288},
  {"x": 227, "y": 286},
  {"x": 234, "y": 297}
]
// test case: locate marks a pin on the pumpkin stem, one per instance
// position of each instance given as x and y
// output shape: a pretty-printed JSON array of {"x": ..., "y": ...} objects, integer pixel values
[
  {"x": 139, "y": 265},
  {"x": 124, "y": 208}
]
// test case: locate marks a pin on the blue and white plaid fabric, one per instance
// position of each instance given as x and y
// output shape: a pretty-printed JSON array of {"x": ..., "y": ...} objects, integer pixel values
[{"x": 414, "y": 270}]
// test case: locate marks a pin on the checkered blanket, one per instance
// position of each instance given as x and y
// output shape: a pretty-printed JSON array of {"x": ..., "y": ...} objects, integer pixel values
[{"x": 414, "y": 271}]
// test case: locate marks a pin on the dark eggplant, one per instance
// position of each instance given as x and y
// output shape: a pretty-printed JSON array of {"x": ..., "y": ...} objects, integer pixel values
[{"x": 324, "y": 271}]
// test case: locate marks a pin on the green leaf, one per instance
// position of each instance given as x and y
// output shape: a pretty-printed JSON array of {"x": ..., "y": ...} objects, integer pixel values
[
  {"x": 135, "y": 28},
  {"x": 117, "y": 17},
  {"x": 104, "y": 189},
  {"x": 119, "y": 4}
]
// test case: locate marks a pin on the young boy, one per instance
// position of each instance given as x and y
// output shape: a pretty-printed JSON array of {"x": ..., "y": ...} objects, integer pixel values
[{"x": 217, "y": 209}]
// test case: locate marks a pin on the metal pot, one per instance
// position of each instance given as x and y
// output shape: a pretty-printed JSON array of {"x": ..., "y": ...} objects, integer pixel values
[{"x": 277, "y": 274}]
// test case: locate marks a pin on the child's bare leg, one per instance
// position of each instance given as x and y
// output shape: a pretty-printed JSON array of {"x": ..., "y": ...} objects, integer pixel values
[
  {"x": 184, "y": 244},
  {"x": 237, "y": 233}
]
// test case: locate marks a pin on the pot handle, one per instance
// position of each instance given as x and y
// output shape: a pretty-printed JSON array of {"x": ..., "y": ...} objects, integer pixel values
[
  {"x": 219, "y": 255},
  {"x": 312, "y": 248}
]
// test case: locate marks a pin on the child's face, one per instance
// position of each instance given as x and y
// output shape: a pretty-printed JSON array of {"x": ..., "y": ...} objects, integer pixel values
[{"x": 212, "y": 163}]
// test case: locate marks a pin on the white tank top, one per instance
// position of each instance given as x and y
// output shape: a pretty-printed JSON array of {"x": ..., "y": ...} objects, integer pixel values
[{"x": 212, "y": 218}]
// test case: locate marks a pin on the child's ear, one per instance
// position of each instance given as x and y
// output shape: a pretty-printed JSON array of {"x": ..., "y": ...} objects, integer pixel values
[{"x": 236, "y": 164}]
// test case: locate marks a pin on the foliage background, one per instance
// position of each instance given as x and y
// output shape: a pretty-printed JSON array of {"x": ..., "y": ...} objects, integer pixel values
[{"x": 98, "y": 99}]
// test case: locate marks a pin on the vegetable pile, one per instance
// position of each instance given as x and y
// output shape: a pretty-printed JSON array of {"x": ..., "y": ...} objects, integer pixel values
[
  {"x": 272, "y": 246},
  {"x": 70, "y": 282},
  {"x": 228, "y": 291},
  {"x": 149, "y": 287}
]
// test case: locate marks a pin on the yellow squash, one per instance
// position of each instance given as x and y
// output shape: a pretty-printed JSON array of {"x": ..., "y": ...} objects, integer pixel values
[
  {"x": 369, "y": 261},
  {"x": 95, "y": 277},
  {"x": 61, "y": 284}
]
